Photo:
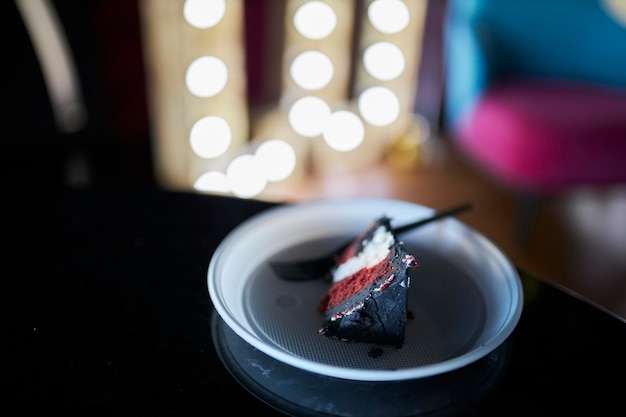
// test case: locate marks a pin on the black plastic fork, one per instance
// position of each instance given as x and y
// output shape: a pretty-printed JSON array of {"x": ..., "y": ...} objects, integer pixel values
[{"x": 316, "y": 268}]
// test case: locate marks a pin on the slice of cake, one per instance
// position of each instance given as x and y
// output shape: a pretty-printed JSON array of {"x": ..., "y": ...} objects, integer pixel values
[{"x": 367, "y": 300}]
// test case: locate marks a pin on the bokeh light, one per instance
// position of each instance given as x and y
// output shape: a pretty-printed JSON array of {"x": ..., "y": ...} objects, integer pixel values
[
  {"x": 210, "y": 137},
  {"x": 315, "y": 20},
  {"x": 344, "y": 131},
  {"x": 212, "y": 181},
  {"x": 311, "y": 70},
  {"x": 384, "y": 61},
  {"x": 388, "y": 16},
  {"x": 276, "y": 158},
  {"x": 245, "y": 177},
  {"x": 308, "y": 115},
  {"x": 379, "y": 106},
  {"x": 206, "y": 76},
  {"x": 204, "y": 14}
]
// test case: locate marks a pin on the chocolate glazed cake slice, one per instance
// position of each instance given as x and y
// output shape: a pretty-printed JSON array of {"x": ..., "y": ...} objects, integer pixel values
[{"x": 367, "y": 300}]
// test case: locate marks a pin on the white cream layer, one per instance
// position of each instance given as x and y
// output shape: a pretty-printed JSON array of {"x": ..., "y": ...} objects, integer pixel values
[{"x": 374, "y": 251}]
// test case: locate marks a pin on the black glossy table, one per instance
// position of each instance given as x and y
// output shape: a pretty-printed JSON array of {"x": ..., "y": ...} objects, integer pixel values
[{"x": 106, "y": 312}]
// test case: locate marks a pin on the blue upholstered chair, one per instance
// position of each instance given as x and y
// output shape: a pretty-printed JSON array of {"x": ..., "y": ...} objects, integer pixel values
[{"x": 535, "y": 93}]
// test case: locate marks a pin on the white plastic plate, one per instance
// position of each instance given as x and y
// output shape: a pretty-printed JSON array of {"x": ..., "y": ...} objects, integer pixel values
[{"x": 465, "y": 297}]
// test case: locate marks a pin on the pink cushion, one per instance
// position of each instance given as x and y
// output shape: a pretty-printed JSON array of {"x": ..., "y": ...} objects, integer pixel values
[{"x": 545, "y": 136}]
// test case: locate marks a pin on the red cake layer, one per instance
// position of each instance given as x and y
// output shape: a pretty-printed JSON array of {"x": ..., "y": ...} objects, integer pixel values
[{"x": 351, "y": 285}]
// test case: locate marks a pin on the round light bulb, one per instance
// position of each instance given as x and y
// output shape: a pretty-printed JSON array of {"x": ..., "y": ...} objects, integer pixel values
[
  {"x": 388, "y": 16},
  {"x": 204, "y": 14},
  {"x": 308, "y": 115},
  {"x": 276, "y": 158},
  {"x": 206, "y": 76},
  {"x": 315, "y": 20},
  {"x": 379, "y": 106},
  {"x": 210, "y": 137},
  {"x": 311, "y": 70},
  {"x": 344, "y": 131}
]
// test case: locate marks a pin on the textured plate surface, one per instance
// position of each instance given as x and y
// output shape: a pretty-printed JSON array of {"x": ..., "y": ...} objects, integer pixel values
[{"x": 465, "y": 296}]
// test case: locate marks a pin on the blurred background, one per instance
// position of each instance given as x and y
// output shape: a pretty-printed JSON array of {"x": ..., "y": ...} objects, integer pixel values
[{"x": 295, "y": 100}]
